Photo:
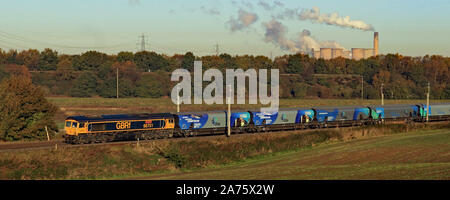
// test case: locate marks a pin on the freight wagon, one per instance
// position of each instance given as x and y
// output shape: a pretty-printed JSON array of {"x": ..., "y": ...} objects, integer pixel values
[{"x": 107, "y": 128}]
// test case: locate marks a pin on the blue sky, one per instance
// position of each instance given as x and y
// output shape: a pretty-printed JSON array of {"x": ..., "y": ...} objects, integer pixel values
[{"x": 409, "y": 27}]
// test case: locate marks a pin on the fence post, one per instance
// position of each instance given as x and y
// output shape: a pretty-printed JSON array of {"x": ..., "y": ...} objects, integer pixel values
[{"x": 46, "y": 130}]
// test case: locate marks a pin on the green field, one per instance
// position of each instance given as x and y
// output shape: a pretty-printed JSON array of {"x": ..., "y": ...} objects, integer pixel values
[
  {"x": 416, "y": 155},
  {"x": 166, "y": 104},
  {"x": 93, "y": 106}
]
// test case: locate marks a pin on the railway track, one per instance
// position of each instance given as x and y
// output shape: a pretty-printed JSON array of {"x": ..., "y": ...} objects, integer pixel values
[
  {"x": 55, "y": 144},
  {"x": 13, "y": 146},
  {"x": 58, "y": 144}
]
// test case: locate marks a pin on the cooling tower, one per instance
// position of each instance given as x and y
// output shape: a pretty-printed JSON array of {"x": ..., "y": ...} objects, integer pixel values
[
  {"x": 315, "y": 54},
  {"x": 357, "y": 53},
  {"x": 337, "y": 53},
  {"x": 325, "y": 53},
  {"x": 368, "y": 53},
  {"x": 347, "y": 54}
]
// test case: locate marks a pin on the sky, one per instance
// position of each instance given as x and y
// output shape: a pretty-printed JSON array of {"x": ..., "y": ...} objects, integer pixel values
[{"x": 254, "y": 27}]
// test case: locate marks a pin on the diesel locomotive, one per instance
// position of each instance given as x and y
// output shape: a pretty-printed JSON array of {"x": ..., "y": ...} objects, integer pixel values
[{"x": 108, "y": 128}]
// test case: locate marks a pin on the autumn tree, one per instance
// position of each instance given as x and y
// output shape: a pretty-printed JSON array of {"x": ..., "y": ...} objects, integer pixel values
[
  {"x": 3, "y": 74},
  {"x": 402, "y": 76},
  {"x": 108, "y": 88},
  {"x": 188, "y": 61},
  {"x": 149, "y": 87},
  {"x": 297, "y": 63},
  {"x": 64, "y": 69},
  {"x": 17, "y": 70},
  {"x": 245, "y": 62},
  {"x": 2, "y": 56},
  {"x": 85, "y": 85},
  {"x": 48, "y": 59},
  {"x": 24, "y": 111},
  {"x": 29, "y": 58},
  {"x": 124, "y": 56},
  {"x": 91, "y": 60},
  {"x": 127, "y": 70},
  {"x": 212, "y": 62},
  {"x": 262, "y": 62},
  {"x": 229, "y": 61},
  {"x": 150, "y": 61},
  {"x": 174, "y": 62},
  {"x": 11, "y": 57}
]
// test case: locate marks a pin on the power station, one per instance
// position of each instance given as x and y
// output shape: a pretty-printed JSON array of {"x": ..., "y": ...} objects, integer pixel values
[{"x": 355, "y": 53}]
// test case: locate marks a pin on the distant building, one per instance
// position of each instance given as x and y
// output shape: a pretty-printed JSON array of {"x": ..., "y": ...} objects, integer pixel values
[
  {"x": 315, "y": 54},
  {"x": 330, "y": 53},
  {"x": 347, "y": 54},
  {"x": 325, "y": 53},
  {"x": 355, "y": 53},
  {"x": 368, "y": 53},
  {"x": 337, "y": 53}
]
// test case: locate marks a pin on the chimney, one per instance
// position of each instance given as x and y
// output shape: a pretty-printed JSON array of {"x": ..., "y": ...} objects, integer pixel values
[{"x": 375, "y": 43}]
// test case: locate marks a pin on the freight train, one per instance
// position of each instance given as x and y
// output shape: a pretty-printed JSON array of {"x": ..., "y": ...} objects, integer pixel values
[{"x": 108, "y": 128}]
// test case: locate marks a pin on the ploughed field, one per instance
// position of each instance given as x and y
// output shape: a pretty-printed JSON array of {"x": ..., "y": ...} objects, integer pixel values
[{"x": 423, "y": 154}]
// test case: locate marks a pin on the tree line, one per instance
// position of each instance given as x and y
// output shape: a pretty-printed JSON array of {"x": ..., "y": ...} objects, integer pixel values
[{"x": 147, "y": 74}]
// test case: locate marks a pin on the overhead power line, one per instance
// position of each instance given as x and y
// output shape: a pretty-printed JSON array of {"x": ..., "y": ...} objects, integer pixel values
[
  {"x": 27, "y": 40},
  {"x": 13, "y": 41}
]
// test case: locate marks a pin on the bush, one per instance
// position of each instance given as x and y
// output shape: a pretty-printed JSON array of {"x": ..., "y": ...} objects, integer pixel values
[
  {"x": 24, "y": 111},
  {"x": 174, "y": 156}
]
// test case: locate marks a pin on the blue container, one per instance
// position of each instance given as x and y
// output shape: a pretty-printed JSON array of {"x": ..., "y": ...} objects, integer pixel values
[
  {"x": 326, "y": 115},
  {"x": 264, "y": 118},
  {"x": 300, "y": 113},
  {"x": 241, "y": 116},
  {"x": 198, "y": 120},
  {"x": 359, "y": 113},
  {"x": 283, "y": 116}
]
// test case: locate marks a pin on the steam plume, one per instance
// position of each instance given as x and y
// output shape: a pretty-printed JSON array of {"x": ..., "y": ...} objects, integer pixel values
[
  {"x": 276, "y": 34},
  {"x": 210, "y": 11},
  {"x": 333, "y": 19},
  {"x": 268, "y": 7},
  {"x": 244, "y": 20}
]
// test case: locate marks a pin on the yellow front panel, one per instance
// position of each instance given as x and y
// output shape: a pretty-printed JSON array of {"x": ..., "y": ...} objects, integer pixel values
[
  {"x": 170, "y": 124},
  {"x": 69, "y": 127}
]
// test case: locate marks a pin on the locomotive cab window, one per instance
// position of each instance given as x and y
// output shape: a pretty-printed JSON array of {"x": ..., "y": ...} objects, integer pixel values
[
  {"x": 68, "y": 124},
  {"x": 74, "y": 125}
]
